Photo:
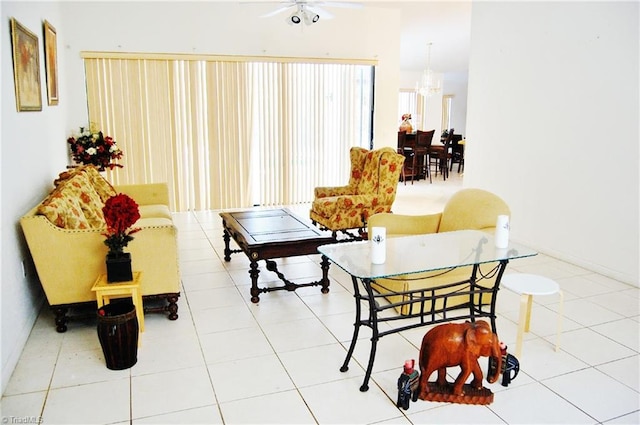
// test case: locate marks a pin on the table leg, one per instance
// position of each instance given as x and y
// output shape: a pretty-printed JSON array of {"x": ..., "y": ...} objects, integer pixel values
[
  {"x": 324, "y": 265},
  {"x": 99, "y": 299},
  {"x": 254, "y": 272},
  {"x": 356, "y": 326},
  {"x": 137, "y": 298},
  {"x": 373, "y": 319},
  {"x": 227, "y": 239}
]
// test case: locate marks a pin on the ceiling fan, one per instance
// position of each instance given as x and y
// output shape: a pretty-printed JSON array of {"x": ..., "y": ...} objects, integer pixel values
[{"x": 308, "y": 11}]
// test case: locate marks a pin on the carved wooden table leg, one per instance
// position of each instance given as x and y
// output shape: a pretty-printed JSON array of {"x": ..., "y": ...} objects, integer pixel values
[
  {"x": 254, "y": 272},
  {"x": 324, "y": 264},
  {"x": 227, "y": 251}
]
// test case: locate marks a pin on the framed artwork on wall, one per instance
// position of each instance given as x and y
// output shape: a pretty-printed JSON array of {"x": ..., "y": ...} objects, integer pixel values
[
  {"x": 51, "y": 62},
  {"x": 26, "y": 68}
]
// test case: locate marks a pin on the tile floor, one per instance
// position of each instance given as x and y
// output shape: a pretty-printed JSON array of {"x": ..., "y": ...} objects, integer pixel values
[{"x": 227, "y": 360}]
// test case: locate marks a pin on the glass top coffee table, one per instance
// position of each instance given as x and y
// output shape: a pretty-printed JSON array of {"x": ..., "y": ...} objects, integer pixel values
[{"x": 416, "y": 254}]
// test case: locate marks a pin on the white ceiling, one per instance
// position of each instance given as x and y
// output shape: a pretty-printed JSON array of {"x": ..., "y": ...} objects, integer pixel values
[{"x": 446, "y": 24}]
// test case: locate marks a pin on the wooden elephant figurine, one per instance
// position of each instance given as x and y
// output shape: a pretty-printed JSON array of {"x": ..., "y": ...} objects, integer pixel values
[{"x": 459, "y": 344}]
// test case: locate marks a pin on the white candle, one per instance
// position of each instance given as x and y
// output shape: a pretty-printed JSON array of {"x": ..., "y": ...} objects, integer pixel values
[
  {"x": 502, "y": 231},
  {"x": 378, "y": 242}
]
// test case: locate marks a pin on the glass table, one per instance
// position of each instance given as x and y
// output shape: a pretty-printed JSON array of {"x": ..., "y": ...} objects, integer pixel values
[{"x": 417, "y": 254}]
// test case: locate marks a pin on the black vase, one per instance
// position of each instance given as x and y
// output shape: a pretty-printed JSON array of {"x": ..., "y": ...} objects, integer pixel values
[{"x": 119, "y": 267}]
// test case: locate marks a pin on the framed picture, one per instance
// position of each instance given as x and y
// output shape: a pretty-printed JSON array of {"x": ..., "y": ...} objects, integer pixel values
[
  {"x": 51, "y": 62},
  {"x": 26, "y": 68}
]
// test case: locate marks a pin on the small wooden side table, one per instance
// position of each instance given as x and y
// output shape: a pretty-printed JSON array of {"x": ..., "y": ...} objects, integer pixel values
[{"x": 105, "y": 291}]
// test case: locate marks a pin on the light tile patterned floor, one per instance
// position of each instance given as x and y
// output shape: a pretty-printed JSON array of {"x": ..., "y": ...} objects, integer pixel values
[{"x": 227, "y": 360}]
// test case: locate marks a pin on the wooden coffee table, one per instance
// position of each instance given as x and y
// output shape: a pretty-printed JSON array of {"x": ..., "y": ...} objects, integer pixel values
[{"x": 274, "y": 233}]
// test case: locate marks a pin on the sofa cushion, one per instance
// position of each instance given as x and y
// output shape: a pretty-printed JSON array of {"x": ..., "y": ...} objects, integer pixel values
[
  {"x": 61, "y": 205},
  {"x": 89, "y": 200},
  {"x": 153, "y": 222},
  {"x": 154, "y": 211},
  {"x": 66, "y": 175},
  {"x": 62, "y": 208},
  {"x": 100, "y": 184},
  {"x": 104, "y": 189}
]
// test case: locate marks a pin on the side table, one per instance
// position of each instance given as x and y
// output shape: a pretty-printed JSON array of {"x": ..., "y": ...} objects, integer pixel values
[{"x": 105, "y": 291}]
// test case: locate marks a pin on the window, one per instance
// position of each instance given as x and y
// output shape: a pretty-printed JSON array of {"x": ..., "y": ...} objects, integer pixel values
[
  {"x": 446, "y": 111},
  {"x": 410, "y": 101},
  {"x": 231, "y": 132}
]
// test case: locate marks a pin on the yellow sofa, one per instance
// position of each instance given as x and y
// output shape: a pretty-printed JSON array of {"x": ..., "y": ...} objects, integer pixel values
[
  {"x": 467, "y": 209},
  {"x": 64, "y": 234}
]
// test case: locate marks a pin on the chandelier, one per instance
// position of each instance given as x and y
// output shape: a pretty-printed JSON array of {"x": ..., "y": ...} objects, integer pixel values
[{"x": 429, "y": 84}]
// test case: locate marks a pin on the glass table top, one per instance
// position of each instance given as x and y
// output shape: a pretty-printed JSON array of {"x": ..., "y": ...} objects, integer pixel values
[{"x": 421, "y": 253}]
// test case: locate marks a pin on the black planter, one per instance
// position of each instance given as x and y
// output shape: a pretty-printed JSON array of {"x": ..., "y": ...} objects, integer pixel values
[
  {"x": 119, "y": 267},
  {"x": 118, "y": 335}
]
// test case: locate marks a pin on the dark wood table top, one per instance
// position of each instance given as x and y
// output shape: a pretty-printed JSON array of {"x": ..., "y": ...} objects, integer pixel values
[{"x": 273, "y": 233}]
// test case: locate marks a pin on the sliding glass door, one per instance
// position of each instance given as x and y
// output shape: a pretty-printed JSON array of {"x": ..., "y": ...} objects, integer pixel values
[{"x": 232, "y": 132}]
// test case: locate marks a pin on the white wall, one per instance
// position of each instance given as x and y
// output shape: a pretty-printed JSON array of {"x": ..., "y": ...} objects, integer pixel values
[
  {"x": 456, "y": 84},
  {"x": 34, "y": 150},
  {"x": 553, "y": 126},
  {"x": 32, "y": 153}
]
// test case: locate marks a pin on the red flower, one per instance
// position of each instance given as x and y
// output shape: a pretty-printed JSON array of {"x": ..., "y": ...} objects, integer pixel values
[{"x": 120, "y": 213}]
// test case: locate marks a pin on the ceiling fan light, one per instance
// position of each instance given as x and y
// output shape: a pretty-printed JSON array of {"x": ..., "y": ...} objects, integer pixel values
[
  {"x": 294, "y": 19},
  {"x": 310, "y": 18}
]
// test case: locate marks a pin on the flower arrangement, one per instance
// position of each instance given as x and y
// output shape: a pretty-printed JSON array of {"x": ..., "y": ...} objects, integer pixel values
[
  {"x": 120, "y": 213},
  {"x": 91, "y": 146},
  {"x": 405, "y": 125}
]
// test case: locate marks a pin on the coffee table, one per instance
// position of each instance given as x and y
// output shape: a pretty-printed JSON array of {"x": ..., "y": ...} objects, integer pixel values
[
  {"x": 416, "y": 254},
  {"x": 266, "y": 234}
]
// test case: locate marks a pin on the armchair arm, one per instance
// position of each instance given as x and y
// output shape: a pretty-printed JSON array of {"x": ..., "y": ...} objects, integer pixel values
[
  {"x": 328, "y": 191},
  {"x": 146, "y": 194},
  {"x": 403, "y": 225}
]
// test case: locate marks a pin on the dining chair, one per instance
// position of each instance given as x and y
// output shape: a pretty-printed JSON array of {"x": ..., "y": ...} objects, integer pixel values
[
  {"x": 409, "y": 168},
  {"x": 423, "y": 144},
  {"x": 439, "y": 156},
  {"x": 457, "y": 152}
]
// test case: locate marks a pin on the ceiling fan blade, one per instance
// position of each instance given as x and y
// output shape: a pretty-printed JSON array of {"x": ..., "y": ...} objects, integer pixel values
[
  {"x": 277, "y": 11},
  {"x": 349, "y": 5}
]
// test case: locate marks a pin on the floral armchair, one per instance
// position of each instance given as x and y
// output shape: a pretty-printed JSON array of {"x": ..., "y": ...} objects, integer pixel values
[{"x": 371, "y": 190}]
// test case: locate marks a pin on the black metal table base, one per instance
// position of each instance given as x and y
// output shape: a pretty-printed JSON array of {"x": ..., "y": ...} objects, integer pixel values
[{"x": 423, "y": 308}]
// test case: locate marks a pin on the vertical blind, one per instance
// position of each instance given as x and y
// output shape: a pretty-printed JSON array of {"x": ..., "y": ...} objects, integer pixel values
[{"x": 231, "y": 133}]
